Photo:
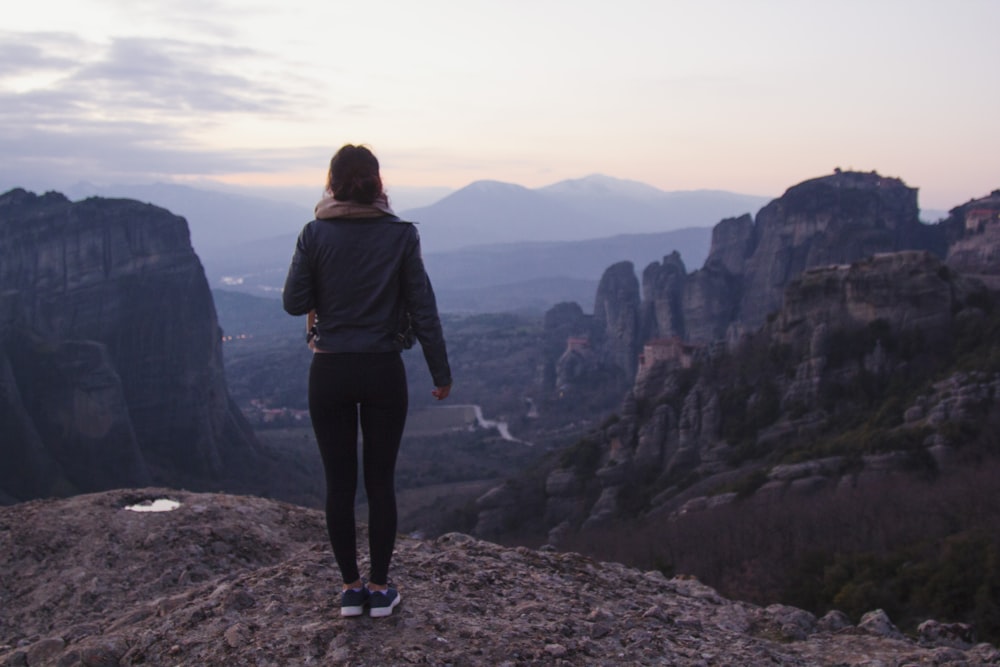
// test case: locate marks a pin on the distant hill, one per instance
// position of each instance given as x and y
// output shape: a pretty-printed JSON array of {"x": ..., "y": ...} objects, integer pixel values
[{"x": 597, "y": 206}]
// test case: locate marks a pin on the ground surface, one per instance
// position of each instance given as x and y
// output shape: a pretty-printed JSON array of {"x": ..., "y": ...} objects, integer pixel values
[{"x": 230, "y": 580}]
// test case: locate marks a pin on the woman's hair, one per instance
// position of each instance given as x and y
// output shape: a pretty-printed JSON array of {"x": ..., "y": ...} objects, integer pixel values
[{"x": 354, "y": 176}]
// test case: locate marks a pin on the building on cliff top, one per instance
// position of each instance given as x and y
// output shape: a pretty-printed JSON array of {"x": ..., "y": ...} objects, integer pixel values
[
  {"x": 672, "y": 350},
  {"x": 983, "y": 212}
]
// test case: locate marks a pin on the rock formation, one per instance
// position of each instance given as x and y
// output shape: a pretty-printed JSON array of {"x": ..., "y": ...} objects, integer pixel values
[
  {"x": 832, "y": 220},
  {"x": 837, "y": 264},
  {"x": 229, "y": 580},
  {"x": 976, "y": 250},
  {"x": 616, "y": 317},
  {"x": 837, "y": 323},
  {"x": 110, "y": 352},
  {"x": 836, "y": 219}
]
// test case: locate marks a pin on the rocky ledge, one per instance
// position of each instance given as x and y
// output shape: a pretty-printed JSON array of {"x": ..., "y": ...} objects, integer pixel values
[{"x": 230, "y": 580}]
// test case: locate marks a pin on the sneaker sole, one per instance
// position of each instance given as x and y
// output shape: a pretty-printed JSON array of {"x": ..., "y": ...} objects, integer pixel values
[
  {"x": 382, "y": 612},
  {"x": 352, "y": 611}
]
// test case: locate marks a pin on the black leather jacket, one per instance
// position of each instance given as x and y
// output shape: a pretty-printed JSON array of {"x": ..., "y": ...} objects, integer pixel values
[{"x": 362, "y": 275}]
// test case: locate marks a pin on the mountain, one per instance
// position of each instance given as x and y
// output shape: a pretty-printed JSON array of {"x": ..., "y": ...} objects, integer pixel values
[
  {"x": 594, "y": 207},
  {"x": 232, "y": 580},
  {"x": 110, "y": 354}
]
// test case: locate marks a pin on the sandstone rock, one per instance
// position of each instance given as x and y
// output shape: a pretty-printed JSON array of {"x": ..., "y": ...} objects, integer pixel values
[
  {"x": 794, "y": 623},
  {"x": 604, "y": 510},
  {"x": 45, "y": 650},
  {"x": 114, "y": 347},
  {"x": 732, "y": 244},
  {"x": 654, "y": 444},
  {"x": 976, "y": 250},
  {"x": 616, "y": 316},
  {"x": 833, "y": 621},
  {"x": 663, "y": 299},
  {"x": 711, "y": 303},
  {"x": 835, "y": 219},
  {"x": 955, "y": 635},
  {"x": 877, "y": 623},
  {"x": 906, "y": 290},
  {"x": 561, "y": 482}
]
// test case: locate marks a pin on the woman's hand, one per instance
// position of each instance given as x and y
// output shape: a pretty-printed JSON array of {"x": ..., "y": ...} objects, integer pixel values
[{"x": 441, "y": 393}]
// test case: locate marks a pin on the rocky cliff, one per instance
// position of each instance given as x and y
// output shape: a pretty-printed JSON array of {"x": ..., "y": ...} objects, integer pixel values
[
  {"x": 975, "y": 231},
  {"x": 835, "y": 219},
  {"x": 230, "y": 580},
  {"x": 877, "y": 368},
  {"x": 110, "y": 352},
  {"x": 700, "y": 410}
]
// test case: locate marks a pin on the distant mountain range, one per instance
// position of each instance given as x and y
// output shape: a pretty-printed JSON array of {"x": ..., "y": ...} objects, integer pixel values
[{"x": 597, "y": 206}]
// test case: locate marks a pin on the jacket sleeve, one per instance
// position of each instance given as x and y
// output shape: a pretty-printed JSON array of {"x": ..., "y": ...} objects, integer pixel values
[
  {"x": 422, "y": 307},
  {"x": 298, "y": 296}
]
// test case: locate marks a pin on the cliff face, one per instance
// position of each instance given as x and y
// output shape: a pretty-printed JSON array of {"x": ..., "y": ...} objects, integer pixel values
[
  {"x": 838, "y": 278},
  {"x": 112, "y": 368},
  {"x": 616, "y": 317},
  {"x": 975, "y": 246},
  {"x": 836, "y": 219},
  {"x": 833, "y": 220},
  {"x": 843, "y": 331}
]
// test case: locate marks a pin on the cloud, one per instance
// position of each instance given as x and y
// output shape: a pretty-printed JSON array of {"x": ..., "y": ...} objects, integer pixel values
[
  {"x": 165, "y": 74},
  {"x": 69, "y": 106},
  {"x": 127, "y": 153},
  {"x": 23, "y": 54}
]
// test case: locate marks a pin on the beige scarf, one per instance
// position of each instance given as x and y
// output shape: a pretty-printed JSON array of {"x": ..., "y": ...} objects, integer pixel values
[{"x": 328, "y": 207}]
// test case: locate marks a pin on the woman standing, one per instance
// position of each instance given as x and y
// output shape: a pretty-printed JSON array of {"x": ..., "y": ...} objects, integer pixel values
[{"x": 359, "y": 267}]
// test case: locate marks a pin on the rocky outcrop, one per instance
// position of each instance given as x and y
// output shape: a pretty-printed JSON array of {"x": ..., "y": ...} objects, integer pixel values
[
  {"x": 907, "y": 291},
  {"x": 975, "y": 250},
  {"x": 662, "y": 314},
  {"x": 836, "y": 219},
  {"x": 616, "y": 317},
  {"x": 833, "y": 220},
  {"x": 229, "y": 580},
  {"x": 837, "y": 261},
  {"x": 110, "y": 352},
  {"x": 839, "y": 326}
]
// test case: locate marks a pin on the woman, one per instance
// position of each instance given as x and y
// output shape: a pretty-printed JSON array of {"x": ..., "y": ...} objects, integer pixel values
[{"x": 359, "y": 268}]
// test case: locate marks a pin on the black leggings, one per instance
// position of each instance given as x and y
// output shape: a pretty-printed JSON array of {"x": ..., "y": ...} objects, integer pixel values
[{"x": 340, "y": 384}]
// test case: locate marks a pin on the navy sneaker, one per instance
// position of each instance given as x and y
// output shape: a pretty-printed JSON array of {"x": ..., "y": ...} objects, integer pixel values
[
  {"x": 352, "y": 602},
  {"x": 381, "y": 603}
]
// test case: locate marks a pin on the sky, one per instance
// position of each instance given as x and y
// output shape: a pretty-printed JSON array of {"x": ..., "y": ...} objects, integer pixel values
[{"x": 751, "y": 96}]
